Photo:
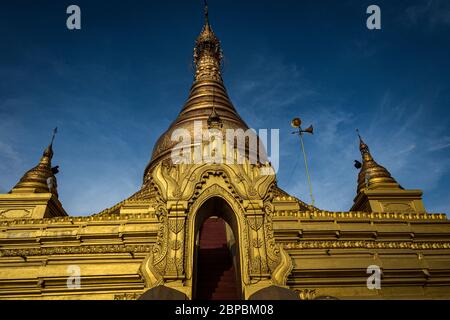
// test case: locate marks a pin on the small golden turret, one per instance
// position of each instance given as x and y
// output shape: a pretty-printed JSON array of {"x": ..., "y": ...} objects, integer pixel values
[
  {"x": 379, "y": 192},
  {"x": 36, "y": 179},
  {"x": 35, "y": 196},
  {"x": 372, "y": 174}
]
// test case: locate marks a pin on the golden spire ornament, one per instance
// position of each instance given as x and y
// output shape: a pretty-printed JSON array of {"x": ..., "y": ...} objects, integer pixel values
[
  {"x": 371, "y": 174},
  {"x": 297, "y": 124},
  {"x": 35, "y": 180}
]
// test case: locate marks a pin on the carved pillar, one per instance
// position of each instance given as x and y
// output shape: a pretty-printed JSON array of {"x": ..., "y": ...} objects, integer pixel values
[
  {"x": 176, "y": 221},
  {"x": 255, "y": 216},
  {"x": 166, "y": 264}
]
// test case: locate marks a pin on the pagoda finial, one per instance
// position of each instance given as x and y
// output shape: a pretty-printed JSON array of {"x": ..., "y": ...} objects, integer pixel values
[
  {"x": 55, "y": 131},
  {"x": 206, "y": 13},
  {"x": 49, "y": 150},
  {"x": 363, "y": 147},
  {"x": 372, "y": 174}
]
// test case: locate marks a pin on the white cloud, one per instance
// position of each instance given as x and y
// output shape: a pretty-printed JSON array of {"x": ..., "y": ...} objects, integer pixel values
[
  {"x": 441, "y": 144},
  {"x": 268, "y": 86}
]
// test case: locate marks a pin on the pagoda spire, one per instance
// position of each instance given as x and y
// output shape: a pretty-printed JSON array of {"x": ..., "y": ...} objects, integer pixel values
[
  {"x": 372, "y": 174},
  {"x": 208, "y": 53},
  {"x": 208, "y": 102}
]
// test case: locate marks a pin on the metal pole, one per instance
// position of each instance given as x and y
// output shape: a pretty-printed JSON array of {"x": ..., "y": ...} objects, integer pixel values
[{"x": 306, "y": 166}]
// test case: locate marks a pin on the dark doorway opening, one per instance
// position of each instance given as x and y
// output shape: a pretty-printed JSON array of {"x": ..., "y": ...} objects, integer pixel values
[{"x": 216, "y": 274}]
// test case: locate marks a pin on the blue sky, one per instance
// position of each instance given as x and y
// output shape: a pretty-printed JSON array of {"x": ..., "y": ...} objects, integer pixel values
[{"x": 114, "y": 87}]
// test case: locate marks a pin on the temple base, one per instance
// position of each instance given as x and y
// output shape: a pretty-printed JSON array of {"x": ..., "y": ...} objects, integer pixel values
[
  {"x": 387, "y": 199},
  {"x": 30, "y": 206}
]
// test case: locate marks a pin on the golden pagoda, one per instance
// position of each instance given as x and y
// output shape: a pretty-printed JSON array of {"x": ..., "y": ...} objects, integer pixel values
[{"x": 211, "y": 230}]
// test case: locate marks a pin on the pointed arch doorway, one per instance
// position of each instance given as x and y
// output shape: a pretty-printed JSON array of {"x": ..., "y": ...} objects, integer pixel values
[{"x": 216, "y": 252}]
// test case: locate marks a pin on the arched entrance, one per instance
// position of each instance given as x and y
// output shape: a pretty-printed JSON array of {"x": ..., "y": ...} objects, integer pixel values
[
  {"x": 190, "y": 194},
  {"x": 216, "y": 252}
]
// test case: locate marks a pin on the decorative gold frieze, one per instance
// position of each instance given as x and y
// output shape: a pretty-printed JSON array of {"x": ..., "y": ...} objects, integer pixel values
[
  {"x": 127, "y": 296},
  {"x": 360, "y": 215},
  {"x": 104, "y": 217},
  {"x": 75, "y": 250},
  {"x": 367, "y": 245}
]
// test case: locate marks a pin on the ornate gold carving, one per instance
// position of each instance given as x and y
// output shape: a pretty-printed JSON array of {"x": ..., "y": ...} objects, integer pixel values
[
  {"x": 56, "y": 220},
  {"x": 283, "y": 269},
  {"x": 306, "y": 294},
  {"x": 75, "y": 250},
  {"x": 171, "y": 179},
  {"x": 273, "y": 251},
  {"x": 397, "y": 207},
  {"x": 360, "y": 215},
  {"x": 256, "y": 183},
  {"x": 258, "y": 265},
  {"x": 257, "y": 251},
  {"x": 176, "y": 245},
  {"x": 368, "y": 245},
  {"x": 257, "y": 243},
  {"x": 150, "y": 273},
  {"x": 166, "y": 258},
  {"x": 15, "y": 214},
  {"x": 188, "y": 180},
  {"x": 176, "y": 225},
  {"x": 127, "y": 296},
  {"x": 156, "y": 262},
  {"x": 174, "y": 265},
  {"x": 255, "y": 222}
]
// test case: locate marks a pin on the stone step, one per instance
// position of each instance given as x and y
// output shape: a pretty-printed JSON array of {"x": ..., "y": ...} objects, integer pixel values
[{"x": 216, "y": 275}]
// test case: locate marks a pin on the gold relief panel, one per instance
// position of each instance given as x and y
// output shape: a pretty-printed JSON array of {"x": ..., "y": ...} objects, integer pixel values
[
  {"x": 16, "y": 214},
  {"x": 181, "y": 182},
  {"x": 403, "y": 207}
]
